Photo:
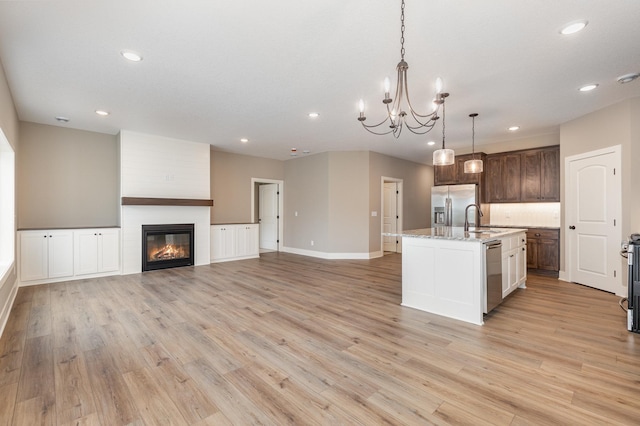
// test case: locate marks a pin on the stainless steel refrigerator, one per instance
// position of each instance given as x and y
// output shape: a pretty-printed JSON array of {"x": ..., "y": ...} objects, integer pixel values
[{"x": 448, "y": 203}]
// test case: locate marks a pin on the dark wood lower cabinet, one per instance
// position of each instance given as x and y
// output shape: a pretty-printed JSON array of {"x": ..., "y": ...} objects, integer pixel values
[{"x": 543, "y": 250}]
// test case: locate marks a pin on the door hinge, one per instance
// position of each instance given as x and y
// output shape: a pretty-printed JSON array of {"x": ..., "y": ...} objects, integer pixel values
[
  {"x": 614, "y": 222},
  {"x": 614, "y": 273},
  {"x": 614, "y": 171},
  {"x": 277, "y": 241}
]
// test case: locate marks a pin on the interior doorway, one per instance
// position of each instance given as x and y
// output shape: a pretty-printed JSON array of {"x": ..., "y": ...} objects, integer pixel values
[
  {"x": 391, "y": 214},
  {"x": 593, "y": 208},
  {"x": 267, "y": 210}
]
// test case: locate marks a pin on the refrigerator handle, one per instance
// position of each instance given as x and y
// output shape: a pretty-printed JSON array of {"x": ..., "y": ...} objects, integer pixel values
[{"x": 448, "y": 211}]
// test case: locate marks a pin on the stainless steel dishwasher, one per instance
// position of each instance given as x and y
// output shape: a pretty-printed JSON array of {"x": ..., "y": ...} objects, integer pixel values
[{"x": 493, "y": 278}]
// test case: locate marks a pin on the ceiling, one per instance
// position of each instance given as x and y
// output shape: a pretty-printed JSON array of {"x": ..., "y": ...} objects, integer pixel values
[{"x": 218, "y": 71}]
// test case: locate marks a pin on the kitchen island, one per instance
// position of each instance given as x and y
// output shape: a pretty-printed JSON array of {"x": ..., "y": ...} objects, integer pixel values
[{"x": 443, "y": 269}]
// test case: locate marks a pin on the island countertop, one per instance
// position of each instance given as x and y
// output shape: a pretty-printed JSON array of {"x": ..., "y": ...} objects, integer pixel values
[{"x": 478, "y": 234}]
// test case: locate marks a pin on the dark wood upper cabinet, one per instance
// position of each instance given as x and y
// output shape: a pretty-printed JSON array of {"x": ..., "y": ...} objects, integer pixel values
[
  {"x": 523, "y": 176},
  {"x": 445, "y": 175},
  {"x": 541, "y": 175},
  {"x": 511, "y": 176},
  {"x": 494, "y": 191},
  {"x": 503, "y": 178},
  {"x": 550, "y": 174},
  {"x": 454, "y": 174}
]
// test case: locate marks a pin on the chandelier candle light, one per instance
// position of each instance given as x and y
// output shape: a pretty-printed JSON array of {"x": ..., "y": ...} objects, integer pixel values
[
  {"x": 397, "y": 114},
  {"x": 473, "y": 165}
]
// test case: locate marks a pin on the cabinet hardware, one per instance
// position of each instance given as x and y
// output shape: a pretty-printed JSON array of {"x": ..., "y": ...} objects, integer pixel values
[
  {"x": 572, "y": 227},
  {"x": 537, "y": 234}
]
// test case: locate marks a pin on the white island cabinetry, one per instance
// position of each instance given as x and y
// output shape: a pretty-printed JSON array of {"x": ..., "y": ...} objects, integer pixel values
[
  {"x": 444, "y": 272},
  {"x": 514, "y": 262}
]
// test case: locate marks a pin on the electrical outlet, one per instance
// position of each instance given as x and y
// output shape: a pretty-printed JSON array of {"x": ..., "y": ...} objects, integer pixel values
[{"x": 311, "y": 242}]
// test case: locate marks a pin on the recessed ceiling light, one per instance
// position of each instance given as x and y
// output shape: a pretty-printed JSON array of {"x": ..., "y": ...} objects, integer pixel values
[
  {"x": 62, "y": 119},
  {"x": 513, "y": 128},
  {"x": 588, "y": 87},
  {"x": 313, "y": 115},
  {"x": 628, "y": 78},
  {"x": 244, "y": 140},
  {"x": 431, "y": 143},
  {"x": 573, "y": 27},
  {"x": 102, "y": 112},
  {"x": 131, "y": 55}
]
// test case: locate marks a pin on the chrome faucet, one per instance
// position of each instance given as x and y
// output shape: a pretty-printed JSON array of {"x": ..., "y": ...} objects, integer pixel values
[{"x": 466, "y": 216}]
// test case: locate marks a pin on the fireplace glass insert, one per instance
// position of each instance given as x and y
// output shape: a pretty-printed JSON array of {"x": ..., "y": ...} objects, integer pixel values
[{"x": 167, "y": 246}]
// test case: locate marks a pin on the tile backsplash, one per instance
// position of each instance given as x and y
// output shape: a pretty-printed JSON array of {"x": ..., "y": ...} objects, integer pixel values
[{"x": 526, "y": 214}]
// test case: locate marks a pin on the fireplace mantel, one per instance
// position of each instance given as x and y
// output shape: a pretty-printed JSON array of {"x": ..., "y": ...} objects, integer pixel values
[{"x": 189, "y": 202}]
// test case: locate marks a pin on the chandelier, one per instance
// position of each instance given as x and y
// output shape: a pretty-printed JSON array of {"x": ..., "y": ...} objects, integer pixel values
[{"x": 398, "y": 114}]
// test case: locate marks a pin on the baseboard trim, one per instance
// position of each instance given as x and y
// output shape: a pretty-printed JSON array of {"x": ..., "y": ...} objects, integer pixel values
[
  {"x": 332, "y": 256},
  {"x": 6, "y": 309}
]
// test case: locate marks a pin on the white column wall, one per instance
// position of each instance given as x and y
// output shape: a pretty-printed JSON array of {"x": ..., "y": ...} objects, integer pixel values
[{"x": 159, "y": 167}]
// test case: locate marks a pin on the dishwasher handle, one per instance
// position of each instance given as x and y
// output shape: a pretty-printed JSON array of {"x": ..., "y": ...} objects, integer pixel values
[{"x": 493, "y": 244}]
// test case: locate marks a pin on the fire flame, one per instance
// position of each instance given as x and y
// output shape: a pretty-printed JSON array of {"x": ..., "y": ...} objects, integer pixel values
[{"x": 168, "y": 252}]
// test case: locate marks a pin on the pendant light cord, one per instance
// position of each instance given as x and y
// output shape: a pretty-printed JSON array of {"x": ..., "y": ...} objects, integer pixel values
[
  {"x": 473, "y": 137},
  {"x": 443, "y": 125}
]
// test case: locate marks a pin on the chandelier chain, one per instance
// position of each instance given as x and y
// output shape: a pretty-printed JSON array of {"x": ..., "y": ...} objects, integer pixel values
[{"x": 402, "y": 31}]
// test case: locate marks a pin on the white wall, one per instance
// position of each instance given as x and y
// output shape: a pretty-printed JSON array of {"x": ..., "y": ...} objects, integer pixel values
[
  {"x": 614, "y": 125},
  {"x": 158, "y": 167}
]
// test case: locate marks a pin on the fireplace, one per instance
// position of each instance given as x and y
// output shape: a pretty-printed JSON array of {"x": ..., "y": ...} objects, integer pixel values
[{"x": 167, "y": 246}]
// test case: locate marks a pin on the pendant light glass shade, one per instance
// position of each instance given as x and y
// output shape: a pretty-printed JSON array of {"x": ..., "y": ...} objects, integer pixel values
[
  {"x": 474, "y": 165},
  {"x": 443, "y": 157}
]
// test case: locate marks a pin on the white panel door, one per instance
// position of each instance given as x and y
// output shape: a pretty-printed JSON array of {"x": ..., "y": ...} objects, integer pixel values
[
  {"x": 268, "y": 216},
  {"x": 593, "y": 210},
  {"x": 390, "y": 215}
]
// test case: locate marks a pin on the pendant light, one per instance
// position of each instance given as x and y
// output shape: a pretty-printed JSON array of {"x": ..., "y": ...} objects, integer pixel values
[
  {"x": 443, "y": 156},
  {"x": 473, "y": 165}
]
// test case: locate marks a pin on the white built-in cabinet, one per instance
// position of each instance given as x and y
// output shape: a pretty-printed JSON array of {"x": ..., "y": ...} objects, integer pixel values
[
  {"x": 514, "y": 262},
  {"x": 46, "y": 254},
  {"x": 67, "y": 254},
  {"x": 97, "y": 251},
  {"x": 234, "y": 242}
]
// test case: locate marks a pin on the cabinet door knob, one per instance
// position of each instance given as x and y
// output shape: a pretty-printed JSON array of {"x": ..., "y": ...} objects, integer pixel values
[
  {"x": 572, "y": 227},
  {"x": 537, "y": 234}
]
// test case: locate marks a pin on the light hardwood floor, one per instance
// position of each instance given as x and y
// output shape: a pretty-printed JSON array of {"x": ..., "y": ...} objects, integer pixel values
[{"x": 288, "y": 339}]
